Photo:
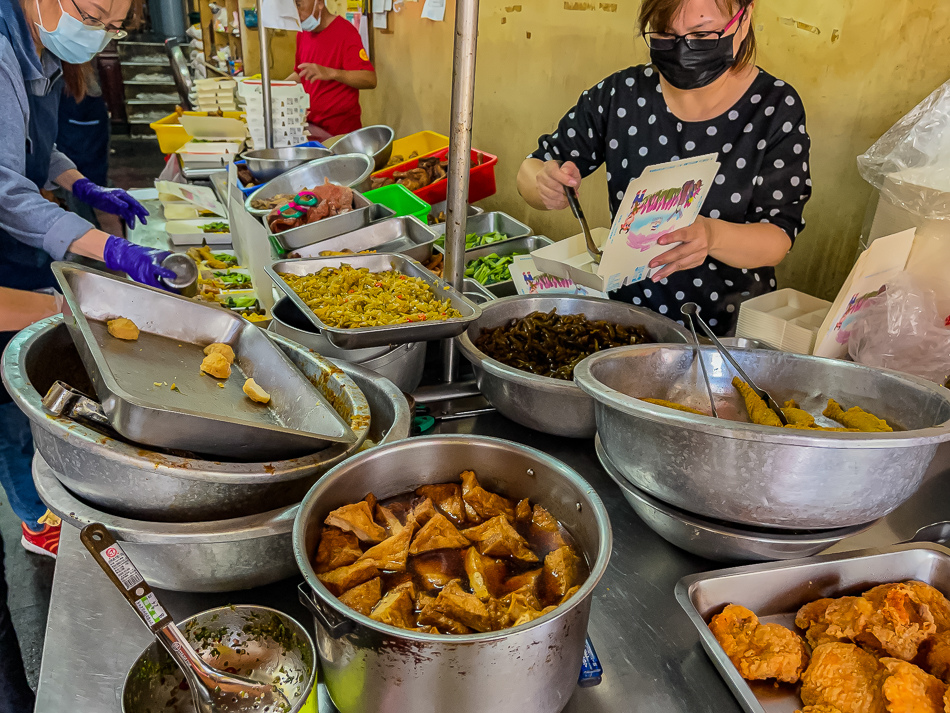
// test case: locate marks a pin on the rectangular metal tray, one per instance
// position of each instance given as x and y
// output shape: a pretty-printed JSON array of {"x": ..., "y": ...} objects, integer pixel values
[
  {"x": 406, "y": 235},
  {"x": 505, "y": 247},
  {"x": 494, "y": 222},
  {"x": 361, "y": 337},
  {"x": 775, "y": 592},
  {"x": 199, "y": 416},
  {"x": 442, "y": 206},
  {"x": 476, "y": 291},
  {"x": 363, "y": 214}
]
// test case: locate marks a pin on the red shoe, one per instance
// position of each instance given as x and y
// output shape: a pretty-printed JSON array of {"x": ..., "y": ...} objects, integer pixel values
[{"x": 43, "y": 542}]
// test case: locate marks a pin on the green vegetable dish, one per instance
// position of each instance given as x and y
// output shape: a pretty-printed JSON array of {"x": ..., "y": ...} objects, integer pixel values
[
  {"x": 233, "y": 279},
  {"x": 216, "y": 227},
  {"x": 492, "y": 268},
  {"x": 241, "y": 302},
  {"x": 226, "y": 257},
  {"x": 474, "y": 240}
]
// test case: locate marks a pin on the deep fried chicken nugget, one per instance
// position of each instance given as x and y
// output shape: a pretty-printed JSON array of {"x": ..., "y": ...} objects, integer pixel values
[
  {"x": 908, "y": 689},
  {"x": 900, "y": 622},
  {"x": 759, "y": 651},
  {"x": 937, "y": 603},
  {"x": 937, "y": 656},
  {"x": 845, "y": 677},
  {"x": 829, "y": 620}
]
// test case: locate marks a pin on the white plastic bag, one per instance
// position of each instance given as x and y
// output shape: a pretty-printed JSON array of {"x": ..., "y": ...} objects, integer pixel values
[{"x": 901, "y": 329}]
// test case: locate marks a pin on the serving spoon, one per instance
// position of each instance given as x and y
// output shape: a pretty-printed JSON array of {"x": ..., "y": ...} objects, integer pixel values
[{"x": 578, "y": 212}]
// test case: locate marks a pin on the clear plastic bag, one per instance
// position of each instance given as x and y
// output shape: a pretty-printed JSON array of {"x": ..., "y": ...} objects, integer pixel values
[
  {"x": 910, "y": 164},
  {"x": 901, "y": 329}
]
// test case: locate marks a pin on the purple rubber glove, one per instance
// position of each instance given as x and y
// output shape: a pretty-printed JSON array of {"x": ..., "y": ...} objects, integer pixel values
[
  {"x": 110, "y": 200},
  {"x": 141, "y": 264}
]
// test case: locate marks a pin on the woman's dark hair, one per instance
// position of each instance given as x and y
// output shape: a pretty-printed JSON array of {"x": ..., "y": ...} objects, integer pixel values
[
  {"x": 74, "y": 75},
  {"x": 657, "y": 15}
]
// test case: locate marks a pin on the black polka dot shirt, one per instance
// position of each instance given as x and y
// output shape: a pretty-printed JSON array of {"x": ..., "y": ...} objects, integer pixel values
[{"x": 763, "y": 150}]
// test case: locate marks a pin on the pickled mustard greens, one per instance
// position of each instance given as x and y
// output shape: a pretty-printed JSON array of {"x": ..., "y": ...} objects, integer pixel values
[
  {"x": 552, "y": 344},
  {"x": 348, "y": 298}
]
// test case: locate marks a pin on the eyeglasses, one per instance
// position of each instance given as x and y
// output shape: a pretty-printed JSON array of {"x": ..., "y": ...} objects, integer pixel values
[
  {"x": 97, "y": 24},
  {"x": 699, "y": 41}
]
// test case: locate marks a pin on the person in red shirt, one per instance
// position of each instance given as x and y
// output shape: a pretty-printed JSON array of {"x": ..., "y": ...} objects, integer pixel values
[{"x": 333, "y": 66}]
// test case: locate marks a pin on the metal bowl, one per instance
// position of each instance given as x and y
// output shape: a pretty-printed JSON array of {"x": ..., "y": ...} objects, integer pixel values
[
  {"x": 551, "y": 405},
  {"x": 719, "y": 541},
  {"x": 373, "y": 141},
  {"x": 732, "y": 470},
  {"x": 154, "y": 682},
  {"x": 128, "y": 480},
  {"x": 267, "y": 164},
  {"x": 532, "y": 667},
  {"x": 352, "y": 170}
]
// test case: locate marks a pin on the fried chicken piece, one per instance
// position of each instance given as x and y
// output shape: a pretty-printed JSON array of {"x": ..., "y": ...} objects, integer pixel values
[
  {"x": 224, "y": 350},
  {"x": 819, "y": 709},
  {"x": 908, "y": 689},
  {"x": 531, "y": 578},
  {"x": 797, "y": 417},
  {"x": 855, "y": 417},
  {"x": 560, "y": 572},
  {"x": 485, "y": 504},
  {"x": 899, "y": 623},
  {"x": 255, "y": 393},
  {"x": 448, "y": 496},
  {"x": 498, "y": 538},
  {"x": 430, "y": 616},
  {"x": 358, "y": 519},
  {"x": 828, "y": 620},
  {"x": 423, "y": 512},
  {"x": 345, "y": 578},
  {"x": 390, "y": 555},
  {"x": 936, "y": 601},
  {"x": 673, "y": 405},
  {"x": 845, "y": 677},
  {"x": 485, "y": 575},
  {"x": 364, "y": 597},
  {"x": 759, "y": 411},
  {"x": 545, "y": 531},
  {"x": 437, "y": 534},
  {"x": 946, "y": 701},
  {"x": 216, "y": 365},
  {"x": 336, "y": 549},
  {"x": 759, "y": 651},
  {"x": 456, "y": 603},
  {"x": 937, "y": 655},
  {"x": 523, "y": 511},
  {"x": 395, "y": 609},
  {"x": 123, "y": 328}
]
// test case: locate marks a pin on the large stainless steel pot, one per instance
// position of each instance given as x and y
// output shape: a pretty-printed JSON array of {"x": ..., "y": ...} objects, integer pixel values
[
  {"x": 551, "y": 405},
  {"x": 370, "y": 667},
  {"x": 125, "y": 479},
  {"x": 739, "y": 472}
]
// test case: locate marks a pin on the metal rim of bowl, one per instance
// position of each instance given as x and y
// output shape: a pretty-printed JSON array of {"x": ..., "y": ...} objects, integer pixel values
[
  {"x": 766, "y": 535},
  {"x": 597, "y": 567},
  {"x": 392, "y": 137},
  {"x": 324, "y": 153},
  {"x": 295, "y": 333},
  {"x": 367, "y": 172},
  {"x": 611, "y": 398},
  {"x": 301, "y": 629},
  {"x": 479, "y": 359}
]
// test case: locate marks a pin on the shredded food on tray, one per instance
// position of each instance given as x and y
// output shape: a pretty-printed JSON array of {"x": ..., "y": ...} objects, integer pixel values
[{"x": 347, "y": 298}]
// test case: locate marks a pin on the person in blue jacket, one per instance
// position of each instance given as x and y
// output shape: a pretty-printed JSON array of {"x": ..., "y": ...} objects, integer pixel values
[{"x": 41, "y": 42}]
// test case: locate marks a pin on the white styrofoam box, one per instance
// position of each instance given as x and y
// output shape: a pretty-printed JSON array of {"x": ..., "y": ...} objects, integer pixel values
[{"x": 786, "y": 319}]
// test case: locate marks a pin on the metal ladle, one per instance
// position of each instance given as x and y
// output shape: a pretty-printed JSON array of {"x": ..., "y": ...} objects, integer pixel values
[
  {"x": 213, "y": 691},
  {"x": 691, "y": 311},
  {"x": 578, "y": 212}
]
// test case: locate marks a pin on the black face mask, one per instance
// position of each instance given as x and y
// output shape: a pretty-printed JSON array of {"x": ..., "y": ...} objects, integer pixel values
[{"x": 686, "y": 68}]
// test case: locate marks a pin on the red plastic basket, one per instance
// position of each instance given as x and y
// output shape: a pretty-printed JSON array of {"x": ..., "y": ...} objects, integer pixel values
[{"x": 481, "y": 182}]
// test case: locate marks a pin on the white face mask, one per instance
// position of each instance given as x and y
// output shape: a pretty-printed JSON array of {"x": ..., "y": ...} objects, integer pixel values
[
  {"x": 71, "y": 40},
  {"x": 312, "y": 23}
]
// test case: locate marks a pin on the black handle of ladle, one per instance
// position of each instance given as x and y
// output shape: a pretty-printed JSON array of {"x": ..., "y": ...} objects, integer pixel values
[
  {"x": 124, "y": 575},
  {"x": 573, "y": 202}
]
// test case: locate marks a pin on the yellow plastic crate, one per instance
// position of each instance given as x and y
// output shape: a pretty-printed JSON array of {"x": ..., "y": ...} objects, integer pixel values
[
  {"x": 422, "y": 142},
  {"x": 172, "y": 135}
]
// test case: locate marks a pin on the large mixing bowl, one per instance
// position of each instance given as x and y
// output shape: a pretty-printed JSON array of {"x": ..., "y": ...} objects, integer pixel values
[
  {"x": 267, "y": 164},
  {"x": 729, "y": 469},
  {"x": 551, "y": 405},
  {"x": 352, "y": 170},
  {"x": 374, "y": 668},
  {"x": 374, "y": 141},
  {"x": 128, "y": 480},
  {"x": 275, "y": 648}
]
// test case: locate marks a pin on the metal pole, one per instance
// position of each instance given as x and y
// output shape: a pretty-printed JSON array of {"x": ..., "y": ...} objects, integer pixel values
[
  {"x": 265, "y": 79},
  {"x": 460, "y": 149}
]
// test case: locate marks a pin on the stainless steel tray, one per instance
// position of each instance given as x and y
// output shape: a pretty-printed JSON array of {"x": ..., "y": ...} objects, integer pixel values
[
  {"x": 506, "y": 288},
  {"x": 197, "y": 416},
  {"x": 364, "y": 213},
  {"x": 352, "y": 170},
  {"x": 776, "y": 591},
  {"x": 476, "y": 291},
  {"x": 406, "y": 235},
  {"x": 390, "y": 334},
  {"x": 494, "y": 222}
]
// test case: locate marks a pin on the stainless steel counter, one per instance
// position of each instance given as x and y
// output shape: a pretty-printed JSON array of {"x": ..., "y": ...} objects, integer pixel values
[{"x": 652, "y": 659}]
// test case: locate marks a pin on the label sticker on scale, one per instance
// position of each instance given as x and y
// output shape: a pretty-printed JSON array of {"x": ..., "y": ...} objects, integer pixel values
[{"x": 123, "y": 568}]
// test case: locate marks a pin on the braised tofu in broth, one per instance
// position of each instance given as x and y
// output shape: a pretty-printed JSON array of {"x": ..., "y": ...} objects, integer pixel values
[{"x": 449, "y": 558}]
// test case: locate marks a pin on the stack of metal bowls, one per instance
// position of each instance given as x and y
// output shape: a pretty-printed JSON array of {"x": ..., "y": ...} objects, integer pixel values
[
  {"x": 373, "y": 141},
  {"x": 351, "y": 170},
  {"x": 730, "y": 488},
  {"x": 267, "y": 164},
  {"x": 188, "y": 524}
]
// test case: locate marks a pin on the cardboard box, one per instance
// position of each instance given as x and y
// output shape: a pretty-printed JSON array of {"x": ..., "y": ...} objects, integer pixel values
[{"x": 569, "y": 259}]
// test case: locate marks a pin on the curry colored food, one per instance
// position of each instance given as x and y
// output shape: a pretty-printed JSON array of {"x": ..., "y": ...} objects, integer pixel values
[
  {"x": 451, "y": 558},
  {"x": 349, "y": 298}
]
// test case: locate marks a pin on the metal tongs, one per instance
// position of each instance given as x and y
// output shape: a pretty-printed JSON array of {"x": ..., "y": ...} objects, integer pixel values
[
  {"x": 691, "y": 311},
  {"x": 64, "y": 400},
  {"x": 578, "y": 212}
]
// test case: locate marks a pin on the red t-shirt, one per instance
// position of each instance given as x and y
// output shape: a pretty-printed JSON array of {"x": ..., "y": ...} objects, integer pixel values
[{"x": 334, "y": 107}]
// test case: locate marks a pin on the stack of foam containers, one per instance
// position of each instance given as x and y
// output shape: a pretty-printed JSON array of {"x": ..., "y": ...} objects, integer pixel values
[
  {"x": 290, "y": 105},
  {"x": 216, "y": 94}
]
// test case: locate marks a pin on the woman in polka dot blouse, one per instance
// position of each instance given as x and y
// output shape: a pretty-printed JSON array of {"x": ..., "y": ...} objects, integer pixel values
[{"x": 701, "y": 94}]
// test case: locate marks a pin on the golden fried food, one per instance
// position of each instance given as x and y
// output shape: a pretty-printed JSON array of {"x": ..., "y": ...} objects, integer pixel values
[
  {"x": 438, "y": 534},
  {"x": 364, "y": 597},
  {"x": 855, "y": 417},
  {"x": 224, "y": 350},
  {"x": 216, "y": 365},
  {"x": 673, "y": 405},
  {"x": 937, "y": 603},
  {"x": 908, "y": 689},
  {"x": 123, "y": 328},
  {"x": 846, "y": 677},
  {"x": 899, "y": 624},
  {"x": 796, "y": 416},
  {"x": 819, "y": 709},
  {"x": 830, "y": 620},
  {"x": 336, "y": 549},
  {"x": 759, "y": 411},
  {"x": 358, "y": 519},
  {"x": 759, "y": 651},
  {"x": 936, "y": 658},
  {"x": 255, "y": 392}
]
